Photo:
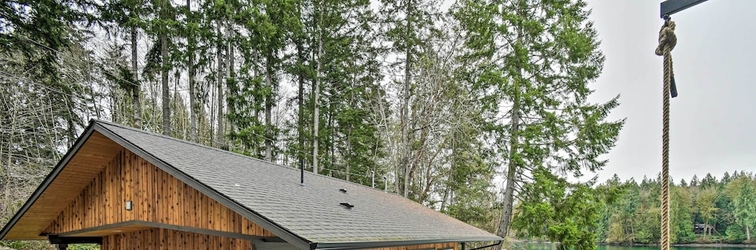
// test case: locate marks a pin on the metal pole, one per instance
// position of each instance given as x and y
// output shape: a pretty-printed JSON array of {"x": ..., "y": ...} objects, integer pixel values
[{"x": 372, "y": 178}]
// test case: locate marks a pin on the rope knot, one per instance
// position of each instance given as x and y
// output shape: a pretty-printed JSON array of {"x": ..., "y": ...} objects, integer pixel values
[{"x": 667, "y": 37}]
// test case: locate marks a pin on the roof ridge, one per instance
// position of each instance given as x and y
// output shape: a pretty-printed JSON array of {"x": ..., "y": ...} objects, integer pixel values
[
  {"x": 186, "y": 142},
  {"x": 236, "y": 154}
]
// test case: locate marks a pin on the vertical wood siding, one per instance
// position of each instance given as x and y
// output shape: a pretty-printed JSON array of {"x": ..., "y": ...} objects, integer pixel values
[{"x": 156, "y": 196}]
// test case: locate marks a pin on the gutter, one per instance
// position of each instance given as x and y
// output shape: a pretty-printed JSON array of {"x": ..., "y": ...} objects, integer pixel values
[{"x": 383, "y": 244}]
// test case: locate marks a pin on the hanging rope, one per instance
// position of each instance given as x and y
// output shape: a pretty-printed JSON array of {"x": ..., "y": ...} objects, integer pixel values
[{"x": 667, "y": 42}]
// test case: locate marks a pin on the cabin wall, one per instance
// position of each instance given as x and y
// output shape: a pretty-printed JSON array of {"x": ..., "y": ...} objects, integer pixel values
[
  {"x": 156, "y": 196},
  {"x": 171, "y": 240}
]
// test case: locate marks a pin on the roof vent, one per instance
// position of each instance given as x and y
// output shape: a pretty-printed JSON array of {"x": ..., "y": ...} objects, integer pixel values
[
  {"x": 342, "y": 190},
  {"x": 347, "y": 205}
]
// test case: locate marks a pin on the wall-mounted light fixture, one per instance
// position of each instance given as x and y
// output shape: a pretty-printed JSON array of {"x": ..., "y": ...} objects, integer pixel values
[{"x": 128, "y": 205}]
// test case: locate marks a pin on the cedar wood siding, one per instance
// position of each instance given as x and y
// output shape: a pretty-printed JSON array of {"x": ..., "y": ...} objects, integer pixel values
[{"x": 156, "y": 196}]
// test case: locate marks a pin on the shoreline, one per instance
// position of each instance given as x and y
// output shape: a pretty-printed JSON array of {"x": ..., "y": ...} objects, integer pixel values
[
  {"x": 687, "y": 245},
  {"x": 715, "y": 245}
]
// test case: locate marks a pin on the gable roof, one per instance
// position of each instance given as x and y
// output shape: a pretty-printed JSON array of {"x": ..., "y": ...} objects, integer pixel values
[{"x": 270, "y": 195}]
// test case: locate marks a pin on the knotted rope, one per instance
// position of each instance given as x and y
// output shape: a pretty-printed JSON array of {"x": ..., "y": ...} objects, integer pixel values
[
  {"x": 667, "y": 42},
  {"x": 668, "y": 39}
]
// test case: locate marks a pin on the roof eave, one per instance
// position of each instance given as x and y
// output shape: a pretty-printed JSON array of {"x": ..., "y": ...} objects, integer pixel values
[
  {"x": 48, "y": 180},
  {"x": 224, "y": 200},
  {"x": 382, "y": 244}
]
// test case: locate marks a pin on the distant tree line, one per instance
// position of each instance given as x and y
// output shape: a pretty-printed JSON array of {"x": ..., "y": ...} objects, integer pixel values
[{"x": 728, "y": 205}]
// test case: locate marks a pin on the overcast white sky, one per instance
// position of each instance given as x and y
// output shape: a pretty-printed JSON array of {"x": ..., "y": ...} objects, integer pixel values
[{"x": 712, "y": 119}]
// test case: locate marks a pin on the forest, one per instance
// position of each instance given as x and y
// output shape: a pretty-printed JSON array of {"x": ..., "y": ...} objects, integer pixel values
[
  {"x": 478, "y": 109},
  {"x": 728, "y": 205}
]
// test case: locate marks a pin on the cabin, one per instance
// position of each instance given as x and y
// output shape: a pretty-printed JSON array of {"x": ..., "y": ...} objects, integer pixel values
[
  {"x": 703, "y": 229},
  {"x": 125, "y": 188}
]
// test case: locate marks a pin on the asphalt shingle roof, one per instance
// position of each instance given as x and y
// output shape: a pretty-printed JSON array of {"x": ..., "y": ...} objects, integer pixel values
[{"x": 311, "y": 212}]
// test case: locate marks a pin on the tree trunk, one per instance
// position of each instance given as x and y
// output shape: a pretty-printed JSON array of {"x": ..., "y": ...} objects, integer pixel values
[
  {"x": 229, "y": 69},
  {"x": 445, "y": 198},
  {"x": 514, "y": 129},
  {"x": 211, "y": 123},
  {"x": 178, "y": 126},
  {"x": 348, "y": 153},
  {"x": 450, "y": 180},
  {"x": 405, "y": 105},
  {"x": 135, "y": 89},
  {"x": 219, "y": 80},
  {"x": 506, "y": 214},
  {"x": 417, "y": 155},
  {"x": 190, "y": 68},
  {"x": 300, "y": 102},
  {"x": 269, "y": 106},
  {"x": 331, "y": 147},
  {"x": 748, "y": 234},
  {"x": 13, "y": 123},
  {"x": 316, "y": 107},
  {"x": 93, "y": 98},
  {"x": 113, "y": 103},
  {"x": 71, "y": 129},
  {"x": 256, "y": 147},
  {"x": 164, "y": 81},
  {"x": 349, "y": 150}
]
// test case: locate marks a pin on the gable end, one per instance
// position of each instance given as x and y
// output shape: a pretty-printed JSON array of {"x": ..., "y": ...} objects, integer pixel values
[{"x": 258, "y": 219}]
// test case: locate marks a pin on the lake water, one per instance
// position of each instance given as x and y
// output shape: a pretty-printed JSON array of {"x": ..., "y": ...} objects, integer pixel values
[{"x": 534, "y": 246}]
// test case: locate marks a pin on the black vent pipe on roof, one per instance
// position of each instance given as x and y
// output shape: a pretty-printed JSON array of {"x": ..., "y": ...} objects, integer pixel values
[{"x": 301, "y": 168}]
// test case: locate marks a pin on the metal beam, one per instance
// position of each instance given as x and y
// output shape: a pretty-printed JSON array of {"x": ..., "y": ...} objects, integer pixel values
[
  {"x": 169, "y": 227},
  {"x": 670, "y": 7},
  {"x": 55, "y": 239}
]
